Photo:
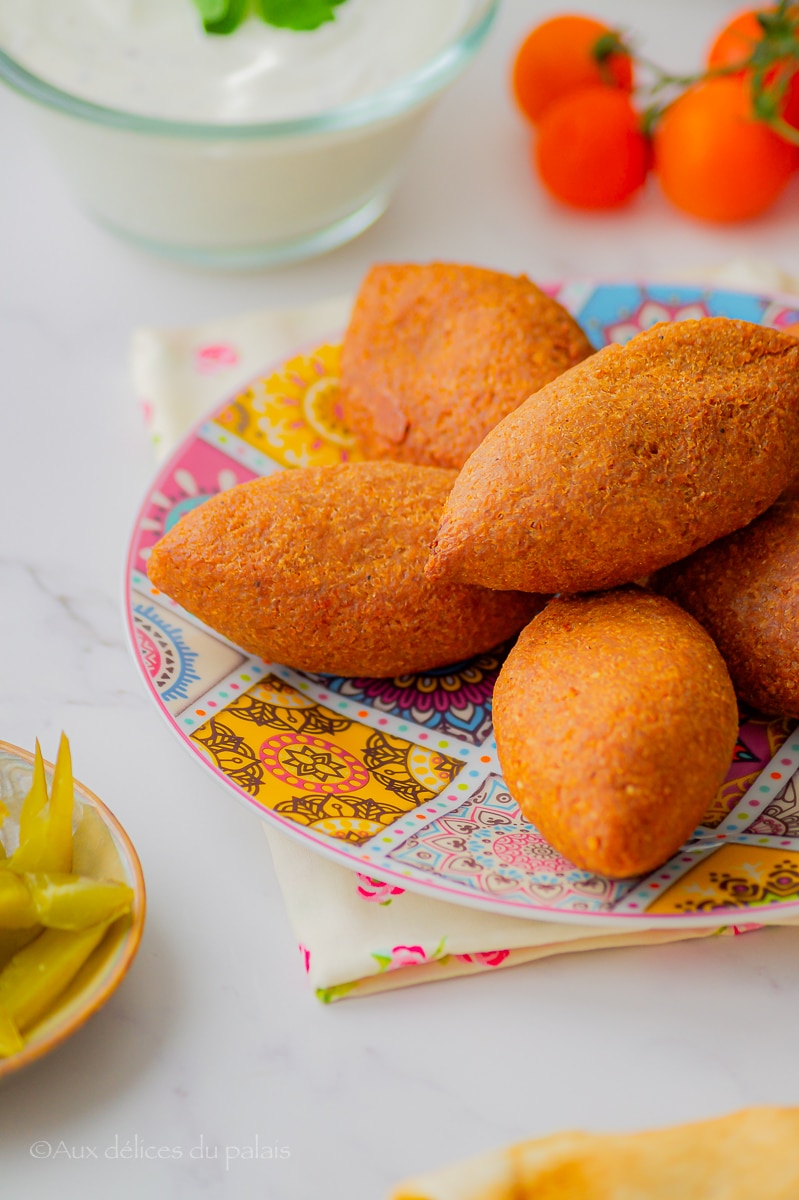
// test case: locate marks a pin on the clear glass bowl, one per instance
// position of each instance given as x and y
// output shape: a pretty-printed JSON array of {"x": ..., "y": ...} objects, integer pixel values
[{"x": 243, "y": 195}]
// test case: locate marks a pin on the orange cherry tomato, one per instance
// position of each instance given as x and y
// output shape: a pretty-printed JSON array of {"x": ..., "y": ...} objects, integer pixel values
[
  {"x": 714, "y": 160},
  {"x": 557, "y": 58},
  {"x": 735, "y": 43},
  {"x": 590, "y": 151}
]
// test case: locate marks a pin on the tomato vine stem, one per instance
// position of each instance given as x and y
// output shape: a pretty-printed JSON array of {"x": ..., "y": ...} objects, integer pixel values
[{"x": 772, "y": 63}]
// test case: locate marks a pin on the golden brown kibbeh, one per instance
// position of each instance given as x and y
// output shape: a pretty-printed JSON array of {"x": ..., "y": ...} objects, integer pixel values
[
  {"x": 744, "y": 589},
  {"x": 593, "y": 710},
  {"x": 322, "y": 568},
  {"x": 629, "y": 461},
  {"x": 435, "y": 355}
]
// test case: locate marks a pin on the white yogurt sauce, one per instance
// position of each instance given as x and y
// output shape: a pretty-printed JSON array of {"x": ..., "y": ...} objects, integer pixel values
[{"x": 152, "y": 56}]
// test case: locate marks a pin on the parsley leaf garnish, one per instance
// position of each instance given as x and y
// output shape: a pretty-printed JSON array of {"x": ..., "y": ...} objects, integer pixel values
[{"x": 223, "y": 16}]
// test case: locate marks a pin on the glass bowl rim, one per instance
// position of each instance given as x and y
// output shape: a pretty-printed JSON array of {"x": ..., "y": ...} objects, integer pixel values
[{"x": 392, "y": 101}]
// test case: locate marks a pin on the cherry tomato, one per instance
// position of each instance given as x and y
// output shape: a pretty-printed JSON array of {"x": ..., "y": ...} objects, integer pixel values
[
  {"x": 590, "y": 151},
  {"x": 714, "y": 159},
  {"x": 556, "y": 58},
  {"x": 736, "y": 42}
]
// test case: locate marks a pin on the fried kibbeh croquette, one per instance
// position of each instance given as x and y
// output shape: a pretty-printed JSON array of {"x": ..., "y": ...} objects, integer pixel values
[
  {"x": 593, "y": 709},
  {"x": 629, "y": 461},
  {"x": 322, "y": 569},
  {"x": 744, "y": 590},
  {"x": 435, "y": 355}
]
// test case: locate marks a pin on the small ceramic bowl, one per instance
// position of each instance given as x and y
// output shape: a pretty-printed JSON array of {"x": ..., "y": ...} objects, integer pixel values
[
  {"x": 102, "y": 850},
  {"x": 244, "y": 195}
]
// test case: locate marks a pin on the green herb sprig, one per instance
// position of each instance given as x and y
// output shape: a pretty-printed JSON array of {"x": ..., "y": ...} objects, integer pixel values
[{"x": 224, "y": 16}]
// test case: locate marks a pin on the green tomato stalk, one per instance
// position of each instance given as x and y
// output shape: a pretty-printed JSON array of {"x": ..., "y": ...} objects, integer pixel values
[{"x": 772, "y": 63}]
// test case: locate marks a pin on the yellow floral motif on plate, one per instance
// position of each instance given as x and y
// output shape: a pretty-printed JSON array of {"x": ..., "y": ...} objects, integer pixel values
[
  {"x": 742, "y": 875},
  {"x": 320, "y": 768},
  {"x": 294, "y": 416}
]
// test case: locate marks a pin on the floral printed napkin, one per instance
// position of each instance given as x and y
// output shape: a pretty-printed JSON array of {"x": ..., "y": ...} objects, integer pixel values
[
  {"x": 179, "y": 374},
  {"x": 359, "y": 935}
]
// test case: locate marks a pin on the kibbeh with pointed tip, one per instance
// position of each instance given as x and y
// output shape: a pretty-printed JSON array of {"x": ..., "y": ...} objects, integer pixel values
[
  {"x": 629, "y": 461},
  {"x": 322, "y": 569},
  {"x": 615, "y": 722}
]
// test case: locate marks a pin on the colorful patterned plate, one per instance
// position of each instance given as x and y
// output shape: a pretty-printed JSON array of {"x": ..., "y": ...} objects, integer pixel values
[{"x": 399, "y": 778}]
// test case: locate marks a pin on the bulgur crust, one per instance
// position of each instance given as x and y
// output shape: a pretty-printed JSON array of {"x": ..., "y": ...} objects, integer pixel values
[
  {"x": 322, "y": 569},
  {"x": 744, "y": 589},
  {"x": 435, "y": 355},
  {"x": 615, "y": 722},
  {"x": 629, "y": 461}
]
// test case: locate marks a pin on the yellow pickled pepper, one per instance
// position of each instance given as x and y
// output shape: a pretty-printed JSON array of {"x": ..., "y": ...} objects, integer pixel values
[
  {"x": 12, "y": 940},
  {"x": 35, "y": 802},
  {"x": 10, "y": 1037},
  {"x": 17, "y": 909},
  {"x": 45, "y": 831},
  {"x": 60, "y": 901},
  {"x": 37, "y": 975},
  {"x": 62, "y": 804},
  {"x": 76, "y": 901},
  {"x": 37, "y": 888}
]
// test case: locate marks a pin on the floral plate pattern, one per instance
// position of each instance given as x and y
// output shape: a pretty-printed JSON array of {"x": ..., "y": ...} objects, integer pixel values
[{"x": 398, "y": 779}]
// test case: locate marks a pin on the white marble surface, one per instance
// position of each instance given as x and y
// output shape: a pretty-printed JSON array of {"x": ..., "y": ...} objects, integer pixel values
[{"x": 213, "y": 1039}]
